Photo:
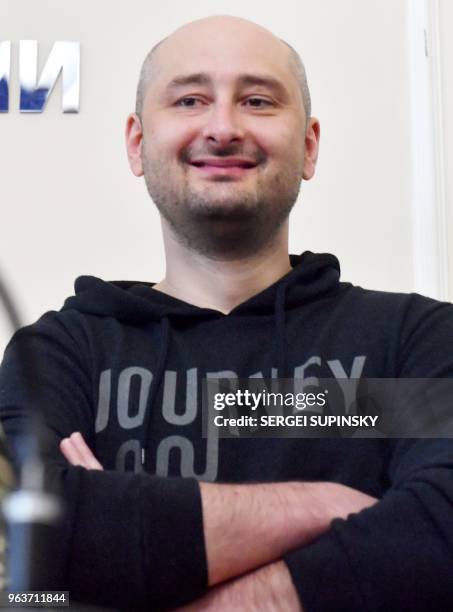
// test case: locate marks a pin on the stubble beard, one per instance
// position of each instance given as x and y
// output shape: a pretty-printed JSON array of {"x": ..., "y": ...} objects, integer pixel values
[{"x": 223, "y": 221}]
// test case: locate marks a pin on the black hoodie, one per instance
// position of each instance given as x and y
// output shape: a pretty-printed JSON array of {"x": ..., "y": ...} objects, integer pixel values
[{"x": 123, "y": 364}]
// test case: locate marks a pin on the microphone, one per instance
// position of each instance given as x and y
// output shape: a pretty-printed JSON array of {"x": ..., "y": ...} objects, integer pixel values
[{"x": 31, "y": 514}]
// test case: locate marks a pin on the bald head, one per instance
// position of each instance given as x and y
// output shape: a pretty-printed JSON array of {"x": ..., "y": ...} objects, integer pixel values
[{"x": 207, "y": 29}]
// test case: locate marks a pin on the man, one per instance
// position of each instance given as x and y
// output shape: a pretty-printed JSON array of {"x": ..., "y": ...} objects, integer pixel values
[{"x": 223, "y": 135}]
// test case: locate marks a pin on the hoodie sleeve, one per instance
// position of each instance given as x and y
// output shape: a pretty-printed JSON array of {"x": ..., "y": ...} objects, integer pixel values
[
  {"x": 129, "y": 541},
  {"x": 398, "y": 554}
]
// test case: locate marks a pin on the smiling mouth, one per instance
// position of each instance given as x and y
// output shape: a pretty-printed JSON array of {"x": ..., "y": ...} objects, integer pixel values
[
  {"x": 223, "y": 169},
  {"x": 218, "y": 165}
]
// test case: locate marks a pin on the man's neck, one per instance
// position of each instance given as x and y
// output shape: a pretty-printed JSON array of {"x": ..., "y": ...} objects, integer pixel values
[{"x": 222, "y": 285}]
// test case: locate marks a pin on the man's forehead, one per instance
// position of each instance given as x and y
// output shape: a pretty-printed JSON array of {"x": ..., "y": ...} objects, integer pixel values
[
  {"x": 218, "y": 29},
  {"x": 232, "y": 43}
]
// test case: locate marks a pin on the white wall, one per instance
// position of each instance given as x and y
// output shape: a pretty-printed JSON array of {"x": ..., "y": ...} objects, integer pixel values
[
  {"x": 70, "y": 206},
  {"x": 446, "y": 41}
]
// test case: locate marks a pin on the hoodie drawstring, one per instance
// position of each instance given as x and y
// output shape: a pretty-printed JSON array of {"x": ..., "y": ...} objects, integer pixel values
[
  {"x": 165, "y": 337},
  {"x": 280, "y": 344}
]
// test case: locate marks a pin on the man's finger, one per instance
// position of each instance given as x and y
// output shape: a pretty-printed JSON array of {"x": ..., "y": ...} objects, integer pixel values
[
  {"x": 77, "y": 452},
  {"x": 70, "y": 451},
  {"x": 84, "y": 451}
]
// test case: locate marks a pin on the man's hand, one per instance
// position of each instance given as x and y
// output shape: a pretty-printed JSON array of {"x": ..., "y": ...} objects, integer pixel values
[
  {"x": 267, "y": 589},
  {"x": 77, "y": 452}
]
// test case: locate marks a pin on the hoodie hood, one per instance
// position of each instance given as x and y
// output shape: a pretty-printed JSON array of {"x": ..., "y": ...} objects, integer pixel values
[{"x": 312, "y": 276}]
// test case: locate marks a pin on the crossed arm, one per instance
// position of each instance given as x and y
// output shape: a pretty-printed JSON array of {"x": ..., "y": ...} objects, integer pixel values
[{"x": 248, "y": 528}]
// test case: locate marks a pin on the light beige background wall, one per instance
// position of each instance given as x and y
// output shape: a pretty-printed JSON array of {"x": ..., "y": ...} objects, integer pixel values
[
  {"x": 70, "y": 206},
  {"x": 446, "y": 41}
]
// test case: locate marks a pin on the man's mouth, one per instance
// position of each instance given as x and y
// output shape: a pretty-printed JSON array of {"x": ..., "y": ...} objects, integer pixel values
[{"x": 224, "y": 166}]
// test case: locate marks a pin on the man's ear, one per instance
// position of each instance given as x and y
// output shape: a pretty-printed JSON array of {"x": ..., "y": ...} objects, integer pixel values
[
  {"x": 312, "y": 135},
  {"x": 134, "y": 138}
]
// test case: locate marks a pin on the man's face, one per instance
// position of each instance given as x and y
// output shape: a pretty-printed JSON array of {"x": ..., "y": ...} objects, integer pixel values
[{"x": 221, "y": 138}]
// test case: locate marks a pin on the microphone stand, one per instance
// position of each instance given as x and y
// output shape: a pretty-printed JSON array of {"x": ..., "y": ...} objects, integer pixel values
[{"x": 31, "y": 512}]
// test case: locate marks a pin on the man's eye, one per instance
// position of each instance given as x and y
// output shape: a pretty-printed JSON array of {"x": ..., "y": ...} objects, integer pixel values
[
  {"x": 255, "y": 102},
  {"x": 188, "y": 101}
]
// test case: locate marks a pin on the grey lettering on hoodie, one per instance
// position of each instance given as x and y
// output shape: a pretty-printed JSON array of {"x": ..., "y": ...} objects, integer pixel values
[
  {"x": 301, "y": 380},
  {"x": 179, "y": 442},
  {"x": 124, "y": 386},
  {"x": 349, "y": 391},
  {"x": 232, "y": 377},
  {"x": 169, "y": 398},
  {"x": 186, "y": 453},
  {"x": 105, "y": 388},
  {"x": 129, "y": 446},
  {"x": 186, "y": 448},
  {"x": 306, "y": 381}
]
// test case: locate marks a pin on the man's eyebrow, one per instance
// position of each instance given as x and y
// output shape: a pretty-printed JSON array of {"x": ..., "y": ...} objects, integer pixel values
[
  {"x": 198, "y": 78},
  {"x": 264, "y": 81},
  {"x": 201, "y": 78}
]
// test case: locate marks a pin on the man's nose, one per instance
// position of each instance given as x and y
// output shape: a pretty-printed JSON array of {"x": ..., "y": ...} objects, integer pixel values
[{"x": 223, "y": 125}]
